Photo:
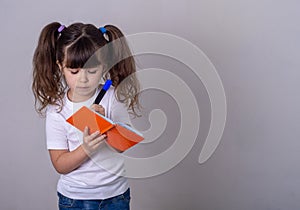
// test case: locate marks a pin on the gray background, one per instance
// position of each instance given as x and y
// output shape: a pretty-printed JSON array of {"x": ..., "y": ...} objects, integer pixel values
[{"x": 254, "y": 45}]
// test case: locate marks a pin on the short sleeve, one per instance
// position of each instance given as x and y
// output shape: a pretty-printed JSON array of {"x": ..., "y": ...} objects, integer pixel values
[
  {"x": 119, "y": 112},
  {"x": 55, "y": 131}
]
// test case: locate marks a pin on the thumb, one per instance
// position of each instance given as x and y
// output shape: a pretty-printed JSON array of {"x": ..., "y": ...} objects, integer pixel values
[{"x": 86, "y": 131}]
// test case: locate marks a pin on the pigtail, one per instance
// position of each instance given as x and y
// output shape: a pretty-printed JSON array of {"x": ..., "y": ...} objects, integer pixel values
[
  {"x": 122, "y": 69},
  {"x": 47, "y": 79}
]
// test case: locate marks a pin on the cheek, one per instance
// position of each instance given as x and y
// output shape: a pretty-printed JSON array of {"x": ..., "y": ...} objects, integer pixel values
[
  {"x": 95, "y": 78},
  {"x": 70, "y": 80}
]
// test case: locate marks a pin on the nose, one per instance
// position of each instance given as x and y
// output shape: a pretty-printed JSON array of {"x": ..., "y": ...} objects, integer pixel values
[{"x": 83, "y": 76}]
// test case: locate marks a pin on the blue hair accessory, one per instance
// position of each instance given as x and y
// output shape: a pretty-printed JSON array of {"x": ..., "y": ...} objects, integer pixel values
[{"x": 103, "y": 31}]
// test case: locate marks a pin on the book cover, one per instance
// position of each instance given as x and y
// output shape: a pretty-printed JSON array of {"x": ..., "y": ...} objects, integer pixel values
[{"x": 119, "y": 135}]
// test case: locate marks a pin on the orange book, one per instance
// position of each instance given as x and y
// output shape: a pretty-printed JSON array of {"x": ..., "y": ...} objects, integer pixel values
[{"x": 119, "y": 135}]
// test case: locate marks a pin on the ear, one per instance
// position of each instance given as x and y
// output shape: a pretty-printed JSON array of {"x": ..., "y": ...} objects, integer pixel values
[
  {"x": 59, "y": 65},
  {"x": 105, "y": 69}
]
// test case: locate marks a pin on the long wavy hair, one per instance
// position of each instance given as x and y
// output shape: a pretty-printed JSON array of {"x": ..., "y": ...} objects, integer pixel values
[{"x": 77, "y": 44}]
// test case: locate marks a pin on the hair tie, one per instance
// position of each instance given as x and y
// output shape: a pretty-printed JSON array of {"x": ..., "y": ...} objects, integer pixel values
[
  {"x": 60, "y": 28},
  {"x": 103, "y": 31}
]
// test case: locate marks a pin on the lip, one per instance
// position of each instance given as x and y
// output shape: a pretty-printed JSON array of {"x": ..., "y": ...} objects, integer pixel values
[{"x": 82, "y": 87}]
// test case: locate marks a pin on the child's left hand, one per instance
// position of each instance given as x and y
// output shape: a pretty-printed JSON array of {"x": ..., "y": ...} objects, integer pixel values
[{"x": 98, "y": 108}]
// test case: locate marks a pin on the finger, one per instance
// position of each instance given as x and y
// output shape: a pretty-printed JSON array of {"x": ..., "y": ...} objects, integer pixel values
[
  {"x": 98, "y": 108},
  {"x": 94, "y": 135},
  {"x": 93, "y": 106},
  {"x": 86, "y": 131},
  {"x": 97, "y": 144},
  {"x": 98, "y": 140}
]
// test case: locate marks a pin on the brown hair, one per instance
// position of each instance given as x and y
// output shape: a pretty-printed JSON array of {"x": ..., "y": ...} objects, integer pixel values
[{"x": 79, "y": 42}]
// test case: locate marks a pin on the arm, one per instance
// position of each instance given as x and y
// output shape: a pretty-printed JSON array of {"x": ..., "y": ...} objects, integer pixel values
[
  {"x": 65, "y": 161},
  {"x": 62, "y": 159}
]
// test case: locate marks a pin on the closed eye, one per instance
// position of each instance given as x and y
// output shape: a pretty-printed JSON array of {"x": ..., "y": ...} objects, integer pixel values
[
  {"x": 74, "y": 72},
  {"x": 92, "y": 72}
]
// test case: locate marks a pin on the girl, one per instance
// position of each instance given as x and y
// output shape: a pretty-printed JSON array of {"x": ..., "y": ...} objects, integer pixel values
[{"x": 68, "y": 64}]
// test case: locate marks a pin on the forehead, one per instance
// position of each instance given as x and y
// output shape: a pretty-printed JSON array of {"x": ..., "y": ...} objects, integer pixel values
[
  {"x": 82, "y": 56},
  {"x": 98, "y": 68}
]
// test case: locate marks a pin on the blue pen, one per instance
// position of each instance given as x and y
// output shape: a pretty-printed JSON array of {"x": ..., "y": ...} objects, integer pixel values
[{"x": 103, "y": 91}]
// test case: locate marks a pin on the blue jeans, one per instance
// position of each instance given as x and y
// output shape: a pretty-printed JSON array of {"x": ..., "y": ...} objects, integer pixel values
[{"x": 119, "y": 202}]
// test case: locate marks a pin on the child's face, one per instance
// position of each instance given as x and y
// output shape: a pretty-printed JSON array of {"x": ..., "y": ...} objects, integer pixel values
[{"x": 82, "y": 83}]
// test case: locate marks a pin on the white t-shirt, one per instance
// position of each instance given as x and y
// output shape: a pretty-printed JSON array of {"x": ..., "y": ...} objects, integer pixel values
[{"x": 102, "y": 175}]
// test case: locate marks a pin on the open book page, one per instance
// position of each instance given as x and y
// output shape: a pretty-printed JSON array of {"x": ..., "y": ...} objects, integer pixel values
[{"x": 129, "y": 128}]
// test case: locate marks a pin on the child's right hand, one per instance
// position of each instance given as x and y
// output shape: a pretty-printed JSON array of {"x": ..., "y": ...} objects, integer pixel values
[
  {"x": 98, "y": 108},
  {"x": 91, "y": 142}
]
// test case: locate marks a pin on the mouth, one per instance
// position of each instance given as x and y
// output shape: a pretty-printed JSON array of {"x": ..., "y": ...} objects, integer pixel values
[{"x": 82, "y": 87}]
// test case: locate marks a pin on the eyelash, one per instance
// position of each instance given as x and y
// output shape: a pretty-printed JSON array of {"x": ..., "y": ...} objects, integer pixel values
[{"x": 91, "y": 72}]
